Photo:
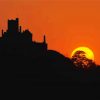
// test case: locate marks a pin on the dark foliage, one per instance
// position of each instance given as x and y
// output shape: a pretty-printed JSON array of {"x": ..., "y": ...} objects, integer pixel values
[{"x": 81, "y": 61}]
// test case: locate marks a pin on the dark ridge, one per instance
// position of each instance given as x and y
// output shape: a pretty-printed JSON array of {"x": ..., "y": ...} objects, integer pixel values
[{"x": 30, "y": 64}]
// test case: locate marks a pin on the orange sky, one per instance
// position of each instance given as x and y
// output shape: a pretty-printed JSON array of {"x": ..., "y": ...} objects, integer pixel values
[{"x": 67, "y": 24}]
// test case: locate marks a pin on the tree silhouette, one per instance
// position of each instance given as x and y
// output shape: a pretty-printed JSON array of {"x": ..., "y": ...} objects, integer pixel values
[{"x": 81, "y": 61}]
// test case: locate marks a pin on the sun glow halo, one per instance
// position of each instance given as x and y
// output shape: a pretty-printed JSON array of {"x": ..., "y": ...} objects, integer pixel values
[{"x": 88, "y": 52}]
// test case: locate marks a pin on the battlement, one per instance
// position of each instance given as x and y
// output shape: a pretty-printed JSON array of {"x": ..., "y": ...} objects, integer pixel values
[
  {"x": 14, "y": 39},
  {"x": 13, "y": 26}
]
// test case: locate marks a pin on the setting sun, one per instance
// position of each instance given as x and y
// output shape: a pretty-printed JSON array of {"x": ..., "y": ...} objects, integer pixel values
[
  {"x": 88, "y": 52},
  {"x": 67, "y": 24}
]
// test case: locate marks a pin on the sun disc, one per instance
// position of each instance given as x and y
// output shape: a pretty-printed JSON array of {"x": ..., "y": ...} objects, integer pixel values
[{"x": 89, "y": 52}]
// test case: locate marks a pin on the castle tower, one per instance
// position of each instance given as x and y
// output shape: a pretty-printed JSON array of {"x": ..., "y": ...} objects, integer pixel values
[{"x": 13, "y": 27}]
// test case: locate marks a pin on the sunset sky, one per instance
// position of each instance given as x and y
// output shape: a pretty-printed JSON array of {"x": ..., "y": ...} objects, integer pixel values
[{"x": 68, "y": 24}]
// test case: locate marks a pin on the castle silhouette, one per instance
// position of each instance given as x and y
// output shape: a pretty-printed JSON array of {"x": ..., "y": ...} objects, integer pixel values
[
  {"x": 31, "y": 62},
  {"x": 17, "y": 42}
]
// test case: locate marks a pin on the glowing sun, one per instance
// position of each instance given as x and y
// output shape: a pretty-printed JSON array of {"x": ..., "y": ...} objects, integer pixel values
[
  {"x": 88, "y": 52},
  {"x": 82, "y": 57}
]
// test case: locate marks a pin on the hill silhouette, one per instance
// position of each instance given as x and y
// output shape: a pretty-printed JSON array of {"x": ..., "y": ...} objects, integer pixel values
[{"x": 31, "y": 64}]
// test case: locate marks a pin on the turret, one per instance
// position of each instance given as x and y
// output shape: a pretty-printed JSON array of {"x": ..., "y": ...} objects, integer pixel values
[{"x": 44, "y": 39}]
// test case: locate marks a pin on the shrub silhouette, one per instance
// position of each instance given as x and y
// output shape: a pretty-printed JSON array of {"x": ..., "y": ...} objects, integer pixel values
[{"x": 80, "y": 60}]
